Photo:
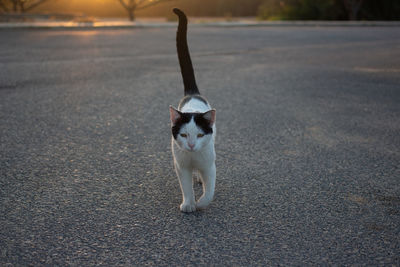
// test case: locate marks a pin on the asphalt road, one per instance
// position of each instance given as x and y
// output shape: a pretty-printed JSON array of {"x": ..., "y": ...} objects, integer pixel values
[{"x": 308, "y": 147}]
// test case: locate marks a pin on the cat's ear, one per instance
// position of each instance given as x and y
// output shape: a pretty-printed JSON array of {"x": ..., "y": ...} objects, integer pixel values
[
  {"x": 174, "y": 115},
  {"x": 210, "y": 116}
]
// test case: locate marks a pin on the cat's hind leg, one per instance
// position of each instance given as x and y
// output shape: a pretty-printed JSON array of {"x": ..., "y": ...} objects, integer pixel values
[
  {"x": 197, "y": 177},
  {"x": 208, "y": 177}
]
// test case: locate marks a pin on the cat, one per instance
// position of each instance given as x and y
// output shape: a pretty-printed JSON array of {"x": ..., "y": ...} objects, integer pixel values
[{"x": 193, "y": 131}]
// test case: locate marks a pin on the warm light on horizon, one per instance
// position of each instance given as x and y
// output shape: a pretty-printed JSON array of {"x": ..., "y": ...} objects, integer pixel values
[{"x": 96, "y": 8}]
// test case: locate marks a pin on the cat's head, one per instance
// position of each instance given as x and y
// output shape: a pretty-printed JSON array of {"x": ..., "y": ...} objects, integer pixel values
[{"x": 192, "y": 131}]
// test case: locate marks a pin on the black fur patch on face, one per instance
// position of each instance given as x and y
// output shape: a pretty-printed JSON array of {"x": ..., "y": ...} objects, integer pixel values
[
  {"x": 203, "y": 123},
  {"x": 186, "y": 118}
]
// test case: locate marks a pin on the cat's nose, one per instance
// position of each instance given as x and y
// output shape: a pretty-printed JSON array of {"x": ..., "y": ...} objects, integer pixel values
[{"x": 191, "y": 145}]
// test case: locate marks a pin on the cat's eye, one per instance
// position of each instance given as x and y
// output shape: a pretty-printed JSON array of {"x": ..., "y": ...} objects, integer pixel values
[
  {"x": 200, "y": 135},
  {"x": 184, "y": 135}
]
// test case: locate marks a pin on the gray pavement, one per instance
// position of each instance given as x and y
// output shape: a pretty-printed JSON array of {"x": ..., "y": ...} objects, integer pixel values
[{"x": 308, "y": 147}]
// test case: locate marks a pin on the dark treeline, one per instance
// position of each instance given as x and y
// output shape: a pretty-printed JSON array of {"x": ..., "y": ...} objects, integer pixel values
[
  {"x": 263, "y": 9},
  {"x": 330, "y": 9},
  {"x": 288, "y": 9}
]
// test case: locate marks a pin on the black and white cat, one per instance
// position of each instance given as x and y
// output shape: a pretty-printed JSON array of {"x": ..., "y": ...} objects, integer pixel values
[{"x": 193, "y": 131}]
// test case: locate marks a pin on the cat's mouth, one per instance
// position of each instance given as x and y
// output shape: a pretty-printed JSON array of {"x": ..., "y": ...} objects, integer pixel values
[{"x": 191, "y": 149}]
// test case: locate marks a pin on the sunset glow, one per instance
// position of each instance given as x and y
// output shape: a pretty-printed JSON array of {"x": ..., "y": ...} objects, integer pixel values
[{"x": 97, "y": 8}]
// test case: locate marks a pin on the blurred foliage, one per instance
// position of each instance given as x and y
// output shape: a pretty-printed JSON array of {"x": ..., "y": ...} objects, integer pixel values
[
  {"x": 380, "y": 10},
  {"x": 302, "y": 10},
  {"x": 328, "y": 10},
  {"x": 19, "y": 6},
  {"x": 132, "y": 6}
]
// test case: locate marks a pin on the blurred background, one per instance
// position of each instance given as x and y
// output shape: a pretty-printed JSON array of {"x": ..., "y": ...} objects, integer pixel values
[{"x": 16, "y": 10}]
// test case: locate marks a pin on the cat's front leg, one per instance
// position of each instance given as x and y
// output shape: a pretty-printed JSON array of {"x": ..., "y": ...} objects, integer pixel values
[
  {"x": 186, "y": 183},
  {"x": 208, "y": 176}
]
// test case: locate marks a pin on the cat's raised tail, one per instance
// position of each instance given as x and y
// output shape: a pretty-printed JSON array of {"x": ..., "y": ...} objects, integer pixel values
[{"x": 185, "y": 62}]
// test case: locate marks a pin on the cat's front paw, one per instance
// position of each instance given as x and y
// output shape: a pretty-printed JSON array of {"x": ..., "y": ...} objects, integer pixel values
[{"x": 188, "y": 207}]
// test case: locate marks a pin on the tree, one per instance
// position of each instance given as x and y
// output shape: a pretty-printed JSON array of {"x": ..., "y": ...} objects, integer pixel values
[
  {"x": 380, "y": 10},
  {"x": 272, "y": 10},
  {"x": 3, "y": 6},
  {"x": 352, "y": 7},
  {"x": 19, "y": 6},
  {"x": 132, "y": 5}
]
